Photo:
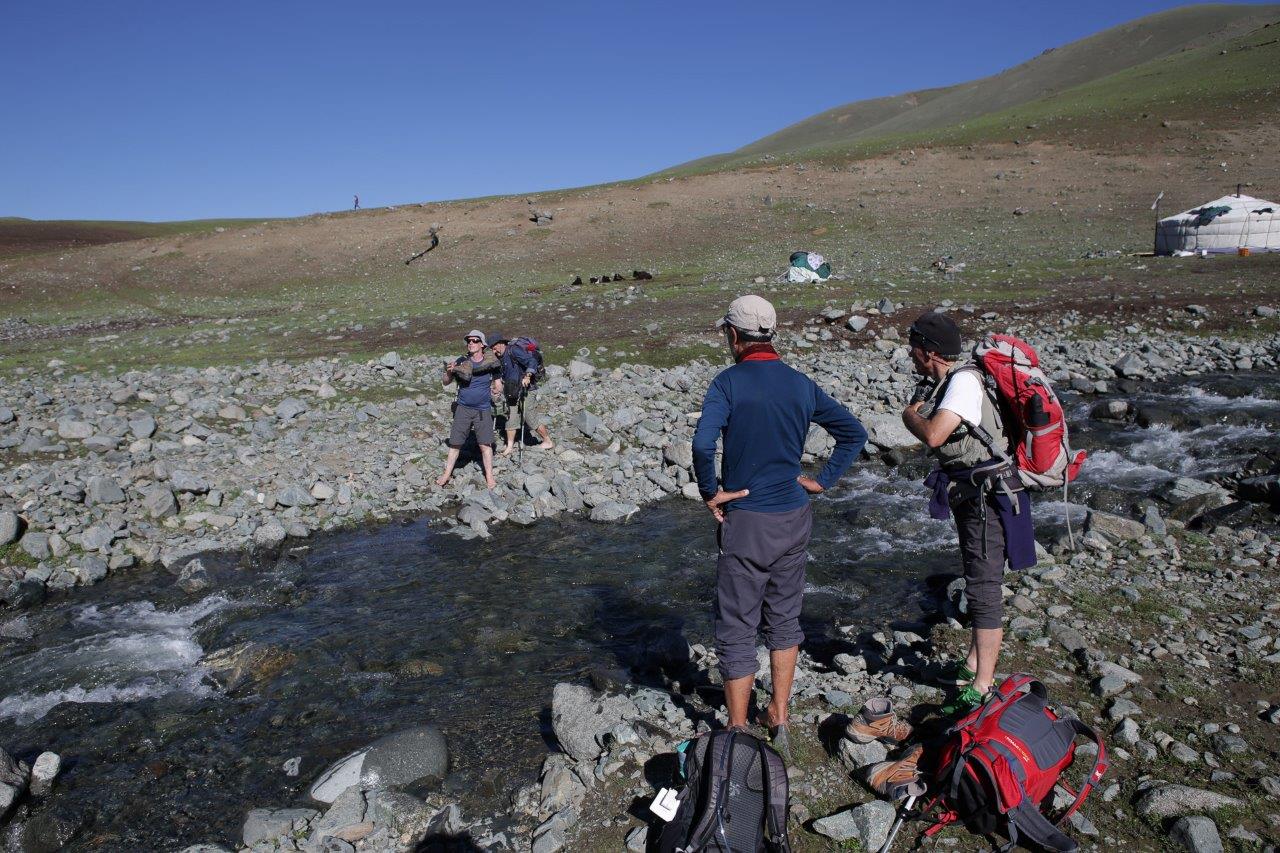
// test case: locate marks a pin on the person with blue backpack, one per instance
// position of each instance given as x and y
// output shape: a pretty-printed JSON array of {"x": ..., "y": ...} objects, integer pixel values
[{"x": 517, "y": 382}]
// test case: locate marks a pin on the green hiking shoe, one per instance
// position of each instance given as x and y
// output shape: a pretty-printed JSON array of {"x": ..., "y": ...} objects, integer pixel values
[
  {"x": 955, "y": 673},
  {"x": 965, "y": 701}
]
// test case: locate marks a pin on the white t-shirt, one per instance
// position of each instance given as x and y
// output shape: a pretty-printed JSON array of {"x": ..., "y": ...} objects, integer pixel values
[{"x": 964, "y": 397}]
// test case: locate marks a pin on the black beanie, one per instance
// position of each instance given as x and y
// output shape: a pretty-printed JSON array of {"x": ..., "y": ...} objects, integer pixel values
[{"x": 935, "y": 332}]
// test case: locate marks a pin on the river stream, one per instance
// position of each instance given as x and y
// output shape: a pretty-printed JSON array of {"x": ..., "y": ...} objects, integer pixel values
[{"x": 383, "y": 628}]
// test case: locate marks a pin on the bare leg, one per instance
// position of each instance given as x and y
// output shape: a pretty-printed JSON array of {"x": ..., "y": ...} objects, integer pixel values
[
  {"x": 486, "y": 459},
  {"x": 547, "y": 443},
  {"x": 448, "y": 466},
  {"x": 737, "y": 694},
  {"x": 987, "y": 649},
  {"x": 511, "y": 443},
  {"x": 782, "y": 665}
]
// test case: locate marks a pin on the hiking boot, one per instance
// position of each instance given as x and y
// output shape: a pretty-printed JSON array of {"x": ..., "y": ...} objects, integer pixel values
[
  {"x": 956, "y": 673},
  {"x": 876, "y": 721},
  {"x": 963, "y": 702},
  {"x": 897, "y": 780}
]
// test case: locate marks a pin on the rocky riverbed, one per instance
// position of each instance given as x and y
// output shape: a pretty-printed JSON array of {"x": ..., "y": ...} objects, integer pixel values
[{"x": 224, "y": 446}]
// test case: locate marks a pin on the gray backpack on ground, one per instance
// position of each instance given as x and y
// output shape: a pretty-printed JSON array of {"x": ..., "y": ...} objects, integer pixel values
[{"x": 734, "y": 798}]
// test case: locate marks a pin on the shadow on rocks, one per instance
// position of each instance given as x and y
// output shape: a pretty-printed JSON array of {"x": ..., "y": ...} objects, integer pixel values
[{"x": 447, "y": 844}]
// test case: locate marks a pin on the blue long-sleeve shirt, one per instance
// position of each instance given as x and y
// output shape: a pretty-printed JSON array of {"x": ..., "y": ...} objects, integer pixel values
[{"x": 763, "y": 409}]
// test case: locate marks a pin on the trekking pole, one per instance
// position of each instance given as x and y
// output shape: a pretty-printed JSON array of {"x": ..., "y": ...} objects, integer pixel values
[
  {"x": 897, "y": 824},
  {"x": 520, "y": 435}
]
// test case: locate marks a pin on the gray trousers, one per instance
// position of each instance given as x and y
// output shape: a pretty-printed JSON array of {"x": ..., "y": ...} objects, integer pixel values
[
  {"x": 982, "y": 553},
  {"x": 759, "y": 583}
]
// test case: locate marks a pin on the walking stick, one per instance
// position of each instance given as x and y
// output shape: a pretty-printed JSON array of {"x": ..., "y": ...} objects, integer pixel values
[
  {"x": 520, "y": 435},
  {"x": 897, "y": 824}
]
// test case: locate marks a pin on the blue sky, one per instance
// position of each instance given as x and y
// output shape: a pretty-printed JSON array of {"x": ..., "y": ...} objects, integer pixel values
[{"x": 174, "y": 110}]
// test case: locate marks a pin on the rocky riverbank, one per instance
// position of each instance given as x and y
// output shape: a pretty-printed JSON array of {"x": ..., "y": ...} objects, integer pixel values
[
  {"x": 1145, "y": 611},
  {"x": 1165, "y": 639},
  {"x": 105, "y": 472}
]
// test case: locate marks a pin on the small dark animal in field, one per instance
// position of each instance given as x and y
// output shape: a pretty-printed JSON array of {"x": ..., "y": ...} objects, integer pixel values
[
  {"x": 617, "y": 276},
  {"x": 577, "y": 280},
  {"x": 641, "y": 275}
]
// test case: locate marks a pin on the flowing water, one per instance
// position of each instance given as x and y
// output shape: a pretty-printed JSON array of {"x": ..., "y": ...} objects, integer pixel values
[{"x": 384, "y": 628}]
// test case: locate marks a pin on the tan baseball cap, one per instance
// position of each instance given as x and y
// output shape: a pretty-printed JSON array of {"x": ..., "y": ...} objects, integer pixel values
[{"x": 751, "y": 314}]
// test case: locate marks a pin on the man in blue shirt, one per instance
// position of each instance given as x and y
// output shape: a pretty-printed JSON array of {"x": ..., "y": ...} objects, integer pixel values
[
  {"x": 473, "y": 410},
  {"x": 761, "y": 409}
]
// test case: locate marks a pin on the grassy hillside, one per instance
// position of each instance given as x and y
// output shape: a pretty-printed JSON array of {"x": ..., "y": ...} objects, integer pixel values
[
  {"x": 1164, "y": 54},
  {"x": 19, "y": 236}
]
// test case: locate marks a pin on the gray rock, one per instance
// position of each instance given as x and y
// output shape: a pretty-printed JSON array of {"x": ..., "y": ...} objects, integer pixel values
[
  {"x": 14, "y": 776},
  {"x": 142, "y": 426},
  {"x": 1117, "y": 528},
  {"x": 290, "y": 408},
  {"x": 194, "y": 577},
  {"x": 1169, "y": 800},
  {"x": 887, "y": 432},
  {"x": 1196, "y": 833},
  {"x": 159, "y": 501},
  {"x": 857, "y": 323},
  {"x": 587, "y": 423},
  {"x": 855, "y": 756},
  {"x": 868, "y": 824},
  {"x": 10, "y": 527},
  {"x": 184, "y": 481},
  {"x": 401, "y": 758},
  {"x": 92, "y": 570},
  {"x": 579, "y": 370},
  {"x": 97, "y": 538},
  {"x": 637, "y": 840},
  {"x": 679, "y": 453},
  {"x": 73, "y": 429},
  {"x": 613, "y": 511},
  {"x": 269, "y": 536},
  {"x": 275, "y": 825},
  {"x": 1130, "y": 366},
  {"x": 35, "y": 544},
  {"x": 103, "y": 490},
  {"x": 294, "y": 495},
  {"x": 348, "y": 809},
  {"x": 390, "y": 360},
  {"x": 581, "y": 719}
]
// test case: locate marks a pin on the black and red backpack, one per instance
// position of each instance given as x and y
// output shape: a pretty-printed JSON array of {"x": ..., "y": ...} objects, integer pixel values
[{"x": 999, "y": 765}]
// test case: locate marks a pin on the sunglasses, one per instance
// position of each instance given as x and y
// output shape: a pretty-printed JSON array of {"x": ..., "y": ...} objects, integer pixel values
[{"x": 473, "y": 340}]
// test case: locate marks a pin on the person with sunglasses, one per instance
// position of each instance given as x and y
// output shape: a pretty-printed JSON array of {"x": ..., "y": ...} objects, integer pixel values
[{"x": 473, "y": 410}]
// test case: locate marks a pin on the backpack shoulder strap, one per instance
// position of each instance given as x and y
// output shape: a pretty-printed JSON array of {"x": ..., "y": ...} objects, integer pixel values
[
  {"x": 1095, "y": 775},
  {"x": 717, "y": 765},
  {"x": 775, "y": 799}
]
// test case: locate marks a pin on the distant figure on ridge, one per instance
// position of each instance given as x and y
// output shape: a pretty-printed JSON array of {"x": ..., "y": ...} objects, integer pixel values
[
  {"x": 355, "y": 202},
  {"x": 761, "y": 409}
]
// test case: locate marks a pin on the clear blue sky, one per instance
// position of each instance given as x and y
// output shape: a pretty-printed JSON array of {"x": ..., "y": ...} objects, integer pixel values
[{"x": 177, "y": 110}]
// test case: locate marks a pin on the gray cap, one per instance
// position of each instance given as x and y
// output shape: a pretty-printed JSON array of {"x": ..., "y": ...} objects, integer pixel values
[
  {"x": 752, "y": 314},
  {"x": 476, "y": 333}
]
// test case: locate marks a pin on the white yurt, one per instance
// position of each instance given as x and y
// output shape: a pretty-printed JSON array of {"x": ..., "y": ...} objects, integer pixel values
[{"x": 1227, "y": 224}]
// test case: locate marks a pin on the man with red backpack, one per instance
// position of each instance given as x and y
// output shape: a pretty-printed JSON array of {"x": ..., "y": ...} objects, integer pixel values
[
  {"x": 977, "y": 481},
  {"x": 522, "y": 369}
]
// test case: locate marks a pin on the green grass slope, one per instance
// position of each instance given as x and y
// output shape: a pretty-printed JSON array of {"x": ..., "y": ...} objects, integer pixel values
[{"x": 1134, "y": 45}]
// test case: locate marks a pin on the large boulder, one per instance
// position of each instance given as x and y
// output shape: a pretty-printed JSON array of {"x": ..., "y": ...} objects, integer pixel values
[
  {"x": 1117, "y": 528},
  {"x": 678, "y": 453},
  {"x": 397, "y": 759},
  {"x": 581, "y": 719},
  {"x": 275, "y": 826},
  {"x": 14, "y": 776},
  {"x": 888, "y": 432},
  {"x": 103, "y": 490}
]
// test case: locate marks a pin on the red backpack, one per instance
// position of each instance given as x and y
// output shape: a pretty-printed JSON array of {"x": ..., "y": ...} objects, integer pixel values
[
  {"x": 1037, "y": 427},
  {"x": 998, "y": 766}
]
